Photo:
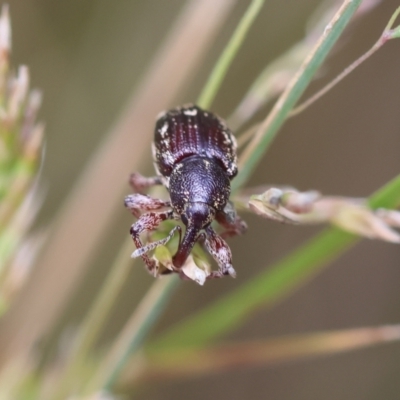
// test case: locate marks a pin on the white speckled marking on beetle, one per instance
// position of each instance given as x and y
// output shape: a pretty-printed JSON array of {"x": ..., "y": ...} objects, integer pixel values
[
  {"x": 168, "y": 157},
  {"x": 190, "y": 112},
  {"x": 164, "y": 130}
]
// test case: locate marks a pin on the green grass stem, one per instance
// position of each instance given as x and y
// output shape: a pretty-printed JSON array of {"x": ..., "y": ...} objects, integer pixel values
[
  {"x": 269, "y": 128},
  {"x": 225, "y": 60}
]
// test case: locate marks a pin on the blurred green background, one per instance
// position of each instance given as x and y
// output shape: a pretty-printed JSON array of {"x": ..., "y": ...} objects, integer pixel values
[{"x": 88, "y": 56}]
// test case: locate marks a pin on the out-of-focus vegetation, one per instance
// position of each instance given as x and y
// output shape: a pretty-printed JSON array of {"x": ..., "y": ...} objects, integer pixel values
[{"x": 81, "y": 326}]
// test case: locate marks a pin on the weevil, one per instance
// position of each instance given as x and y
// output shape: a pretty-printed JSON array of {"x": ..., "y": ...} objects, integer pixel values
[{"x": 194, "y": 154}]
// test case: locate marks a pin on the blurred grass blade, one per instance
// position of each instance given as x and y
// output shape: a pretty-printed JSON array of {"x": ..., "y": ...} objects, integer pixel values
[
  {"x": 219, "y": 72},
  {"x": 92, "y": 326},
  {"x": 190, "y": 362},
  {"x": 272, "y": 285},
  {"x": 253, "y": 153},
  {"x": 386, "y": 35},
  {"x": 82, "y": 222},
  {"x": 276, "y": 76},
  {"x": 134, "y": 333}
]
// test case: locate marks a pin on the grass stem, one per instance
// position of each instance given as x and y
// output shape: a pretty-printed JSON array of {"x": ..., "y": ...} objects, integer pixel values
[
  {"x": 274, "y": 121},
  {"x": 221, "y": 67}
]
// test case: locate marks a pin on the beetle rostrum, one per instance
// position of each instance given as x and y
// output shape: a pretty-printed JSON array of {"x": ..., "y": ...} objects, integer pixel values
[{"x": 194, "y": 155}]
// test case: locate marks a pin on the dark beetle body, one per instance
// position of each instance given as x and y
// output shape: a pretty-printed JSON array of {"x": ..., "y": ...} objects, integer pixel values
[
  {"x": 188, "y": 131},
  {"x": 195, "y": 157},
  {"x": 195, "y": 152}
]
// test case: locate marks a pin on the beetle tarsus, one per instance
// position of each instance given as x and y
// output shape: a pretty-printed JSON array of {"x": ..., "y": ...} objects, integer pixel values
[
  {"x": 148, "y": 222},
  {"x": 152, "y": 245}
]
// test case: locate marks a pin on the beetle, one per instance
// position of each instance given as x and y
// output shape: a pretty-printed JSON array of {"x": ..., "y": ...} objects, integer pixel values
[{"x": 194, "y": 154}]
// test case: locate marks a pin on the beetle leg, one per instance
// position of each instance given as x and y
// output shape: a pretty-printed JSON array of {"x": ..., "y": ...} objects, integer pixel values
[
  {"x": 139, "y": 182},
  {"x": 141, "y": 202},
  {"x": 149, "y": 222},
  {"x": 229, "y": 219},
  {"x": 152, "y": 245},
  {"x": 221, "y": 252}
]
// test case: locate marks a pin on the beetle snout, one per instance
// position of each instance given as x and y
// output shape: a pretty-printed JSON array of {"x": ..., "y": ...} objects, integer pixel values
[{"x": 198, "y": 215}]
